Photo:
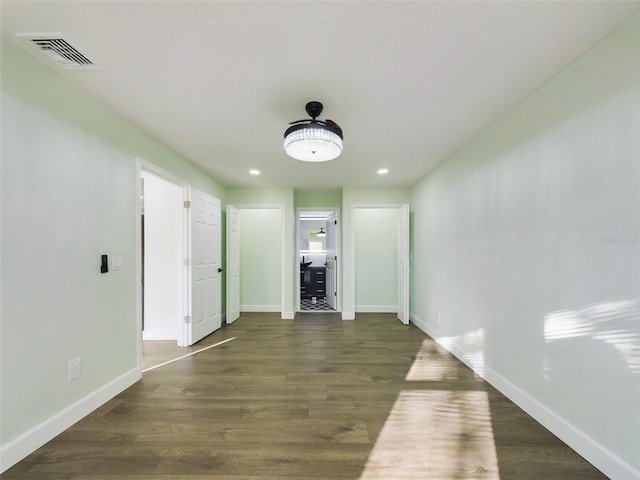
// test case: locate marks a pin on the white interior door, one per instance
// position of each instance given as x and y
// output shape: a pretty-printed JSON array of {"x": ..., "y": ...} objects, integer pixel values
[
  {"x": 403, "y": 264},
  {"x": 332, "y": 257},
  {"x": 205, "y": 266},
  {"x": 233, "y": 264}
]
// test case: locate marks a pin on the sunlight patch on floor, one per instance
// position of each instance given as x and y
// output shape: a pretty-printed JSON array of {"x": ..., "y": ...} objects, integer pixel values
[
  {"x": 432, "y": 364},
  {"x": 435, "y": 435}
]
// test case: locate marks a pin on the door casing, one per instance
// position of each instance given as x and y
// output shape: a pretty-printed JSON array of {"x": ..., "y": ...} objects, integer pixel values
[
  {"x": 336, "y": 213},
  {"x": 402, "y": 281},
  {"x": 144, "y": 165},
  {"x": 233, "y": 248}
]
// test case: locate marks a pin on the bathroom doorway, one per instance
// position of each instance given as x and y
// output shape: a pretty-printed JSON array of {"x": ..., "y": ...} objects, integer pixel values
[{"x": 318, "y": 245}]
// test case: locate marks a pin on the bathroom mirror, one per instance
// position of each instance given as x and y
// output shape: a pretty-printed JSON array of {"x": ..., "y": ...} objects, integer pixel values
[{"x": 316, "y": 243}]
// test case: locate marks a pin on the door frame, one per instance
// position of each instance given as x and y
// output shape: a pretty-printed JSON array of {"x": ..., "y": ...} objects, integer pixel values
[
  {"x": 336, "y": 212},
  {"x": 146, "y": 166},
  {"x": 282, "y": 208},
  {"x": 352, "y": 251}
]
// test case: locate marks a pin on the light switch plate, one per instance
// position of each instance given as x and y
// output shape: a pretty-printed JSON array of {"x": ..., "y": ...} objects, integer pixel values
[
  {"x": 117, "y": 262},
  {"x": 75, "y": 368}
]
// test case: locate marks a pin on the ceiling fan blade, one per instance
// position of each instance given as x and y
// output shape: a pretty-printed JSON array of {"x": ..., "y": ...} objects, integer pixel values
[
  {"x": 310, "y": 120},
  {"x": 333, "y": 124}
]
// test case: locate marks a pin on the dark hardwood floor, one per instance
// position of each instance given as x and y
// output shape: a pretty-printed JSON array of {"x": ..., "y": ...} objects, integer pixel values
[{"x": 311, "y": 398}]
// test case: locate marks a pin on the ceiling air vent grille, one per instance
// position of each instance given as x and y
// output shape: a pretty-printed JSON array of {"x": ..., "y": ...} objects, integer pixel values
[{"x": 54, "y": 46}]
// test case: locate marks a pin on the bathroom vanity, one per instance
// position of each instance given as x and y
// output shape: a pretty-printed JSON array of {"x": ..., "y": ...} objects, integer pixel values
[{"x": 313, "y": 282}]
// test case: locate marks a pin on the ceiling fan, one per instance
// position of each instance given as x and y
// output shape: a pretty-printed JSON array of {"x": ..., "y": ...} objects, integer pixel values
[{"x": 313, "y": 140}]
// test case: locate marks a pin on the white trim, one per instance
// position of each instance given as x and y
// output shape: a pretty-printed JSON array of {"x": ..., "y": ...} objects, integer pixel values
[
  {"x": 348, "y": 316},
  {"x": 376, "y": 308},
  {"x": 149, "y": 167},
  {"x": 181, "y": 331},
  {"x": 283, "y": 210},
  {"x": 378, "y": 205},
  {"x": 260, "y": 308},
  {"x": 337, "y": 212},
  {"x": 34, "y": 438},
  {"x": 288, "y": 315},
  {"x": 594, "y": 452},
  {"x": 352, "y": 252},
  {"x": 283, "y": 256}
]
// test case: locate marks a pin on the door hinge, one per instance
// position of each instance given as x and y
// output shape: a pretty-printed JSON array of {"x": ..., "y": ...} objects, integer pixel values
[
  {"x": 187, "y": 319},
  {"x": 187, "y": 262},
  {"x": 187, "y": 204},
  {"x": 335, "y": 258},
  {"x": 335, "y": 222}
]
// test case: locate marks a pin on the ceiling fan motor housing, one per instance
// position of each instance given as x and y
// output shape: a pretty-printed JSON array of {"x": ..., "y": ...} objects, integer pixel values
[{"x": 314, "y": 109}]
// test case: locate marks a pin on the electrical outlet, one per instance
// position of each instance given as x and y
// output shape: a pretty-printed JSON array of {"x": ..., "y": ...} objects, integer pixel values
[{"x": 75, "y": 368}]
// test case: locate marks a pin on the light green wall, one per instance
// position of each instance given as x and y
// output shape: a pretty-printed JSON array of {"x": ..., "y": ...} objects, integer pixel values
[
  {"x": 322, "y": 199},
  {"x": 259, "y": 196},
  {"x": 526, "y": 252},
  {"x": 261, "y": 259},
  {"x": 68, "y": 196},
  {"x": 376, "y": 258}
]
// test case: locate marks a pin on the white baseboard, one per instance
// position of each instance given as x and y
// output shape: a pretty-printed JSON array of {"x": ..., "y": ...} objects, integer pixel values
[
  {"x": 288, "y": 315},
  {"x": 348, "y": 315},
  {"x": 162, "y": 334},
  {"x": 376, "y": 308},
  {"x": 28, "y": 442},
  {"x": 260, "y": 308},
  {"x": 595, "y": 453}
]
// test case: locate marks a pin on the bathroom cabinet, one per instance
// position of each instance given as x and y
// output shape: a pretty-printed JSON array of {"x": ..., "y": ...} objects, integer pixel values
[{"x": 313, "y": 282}]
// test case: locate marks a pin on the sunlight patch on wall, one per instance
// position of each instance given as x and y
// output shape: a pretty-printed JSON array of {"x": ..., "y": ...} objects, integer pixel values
[
  {"x": 435, "y": 434},
  {"x": 468, "y": 347},
  {"x": 617, "y": 324}
]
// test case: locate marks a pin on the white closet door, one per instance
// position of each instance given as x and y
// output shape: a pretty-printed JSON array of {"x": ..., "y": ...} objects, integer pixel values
[
  {"x": 233, "y": 264},
  {"x": 205, "y": 266},
  {"x": 403, "y": 264}
]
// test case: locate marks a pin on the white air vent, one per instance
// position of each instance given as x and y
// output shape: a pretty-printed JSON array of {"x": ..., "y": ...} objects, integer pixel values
[{"x": 54, "y": 46}]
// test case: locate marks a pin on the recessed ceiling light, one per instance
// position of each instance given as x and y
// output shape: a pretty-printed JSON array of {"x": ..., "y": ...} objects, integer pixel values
[
  {"x": 383, "y": 171},
  {"x": 254, "y": 172}
]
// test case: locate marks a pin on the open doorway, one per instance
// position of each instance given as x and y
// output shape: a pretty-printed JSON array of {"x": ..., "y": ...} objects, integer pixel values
[
  {"x": 178, "y": 251},
  {"x": 380, "y": 253},
  {"x": 163, "y": 254},
  {"x": 318, "y": 260},
  {"x": 255, "y": 259}
]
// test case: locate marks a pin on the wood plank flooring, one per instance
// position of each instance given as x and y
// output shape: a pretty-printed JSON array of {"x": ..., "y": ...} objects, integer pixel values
[{"x": 311, "y": 398}]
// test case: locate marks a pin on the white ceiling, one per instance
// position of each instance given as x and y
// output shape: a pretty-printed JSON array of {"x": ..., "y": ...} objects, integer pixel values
[{"x": 409, "y": 82}]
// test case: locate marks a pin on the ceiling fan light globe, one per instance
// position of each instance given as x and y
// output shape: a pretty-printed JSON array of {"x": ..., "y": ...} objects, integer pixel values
[{"x": 313, "y": 144}]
